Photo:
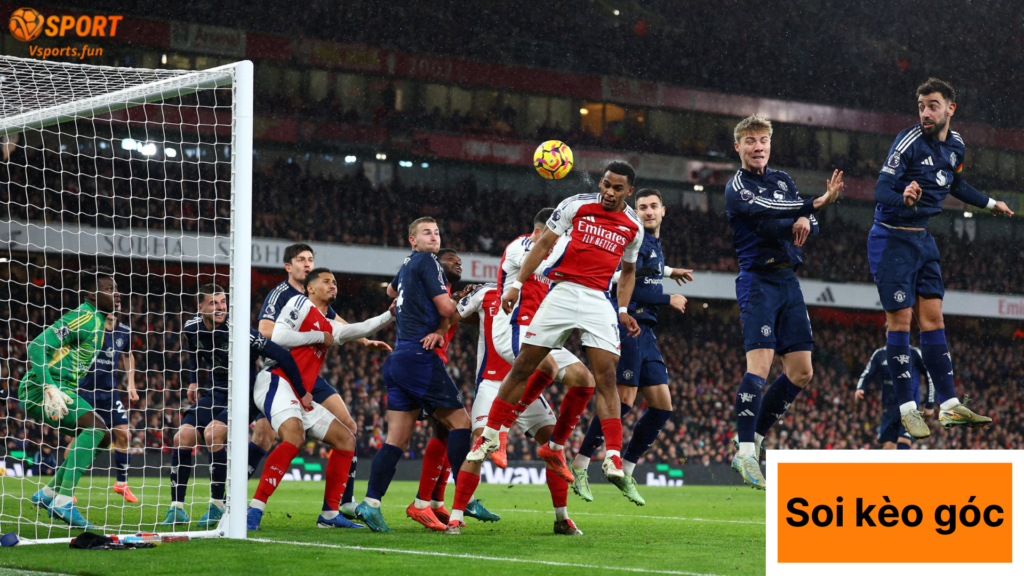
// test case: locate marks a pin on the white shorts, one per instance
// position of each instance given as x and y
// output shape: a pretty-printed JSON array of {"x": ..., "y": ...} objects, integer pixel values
[
  {"x": 506, "y": 339},
  {"x": 275, "y": 397},
  {"x": 570, "y": 306},
  {"x": 535, "y": 417}
]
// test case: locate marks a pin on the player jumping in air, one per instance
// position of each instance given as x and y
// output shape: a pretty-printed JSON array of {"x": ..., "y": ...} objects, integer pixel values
[
  {"x": 298, "y": 261},
  {"x": 604, "y": 232},
  {"x": 891, "y": 434},
  {"x": 303, "y": 328},
  {"x": 770, "y": 222},
  {"x": 58, "y": 359},
  {"x": 925, "y": 164},
  {"x": 99, "y": 389},
  {"x": 640, "y": 365}
]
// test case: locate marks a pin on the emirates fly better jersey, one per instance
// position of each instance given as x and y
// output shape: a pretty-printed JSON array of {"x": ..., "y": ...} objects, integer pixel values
[
  {"x": 485, "y": 302},
  {"x": 599, "y": 239},
  {"x": 534, "y": 289}
]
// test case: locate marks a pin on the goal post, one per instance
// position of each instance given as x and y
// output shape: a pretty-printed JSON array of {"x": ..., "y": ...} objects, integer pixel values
[{"x": 147, "y": 173}]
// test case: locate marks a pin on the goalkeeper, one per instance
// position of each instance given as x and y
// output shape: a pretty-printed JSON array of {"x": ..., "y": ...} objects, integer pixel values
[{"x": 59, "y": 358}]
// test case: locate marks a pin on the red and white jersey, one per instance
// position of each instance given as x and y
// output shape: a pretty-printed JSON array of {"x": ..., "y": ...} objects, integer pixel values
[
  {"x": 485, "y": 301},
  {"x": 298, "y": 330},
  {"x": 598, "y": 241},
  {"x": 534, "y": 289}
]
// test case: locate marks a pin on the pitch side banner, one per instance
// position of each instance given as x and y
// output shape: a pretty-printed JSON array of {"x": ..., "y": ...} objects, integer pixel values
[
  {"x": 857, "y": 512},
  {"x": 381, "y": 261}
]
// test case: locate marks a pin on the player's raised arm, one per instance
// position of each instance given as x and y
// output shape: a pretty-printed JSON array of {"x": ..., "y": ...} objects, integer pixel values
[
  {"x": 533, "y": 260},
  {"x": 271, "y": 351},
  {"x": 867, "y": 375},
  {"x": 286, "y": 329},
  {"x": 349, "y": 332}
]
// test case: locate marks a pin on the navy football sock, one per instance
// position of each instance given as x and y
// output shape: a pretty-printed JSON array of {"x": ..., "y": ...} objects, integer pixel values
[
  {"x": 181, "y": 471},
  {"x": 777, "y": 399},
  {"x": 748, "y": 405},
  {"x": 939, "y": 363},
  {"x": 595, "y": 436},
  {"x": 646, "y": 432},
  {"x": 458, "y": 448},
  {"x": 382, "y": 470},
  {"x": 219, "y": 473},
  {"x": 121, "y": 461},
  {"x": 256, "y": 455},
  {"x": 897, "y": 355},
  {"x": 347, "y": 496}
]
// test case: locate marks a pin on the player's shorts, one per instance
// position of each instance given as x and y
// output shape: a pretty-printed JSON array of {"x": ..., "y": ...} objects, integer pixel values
[
  {"x": 416, "y": 380},
  {"x": 506, "y": 338},
  {"x": 322, "y": 390},
  {"x": 773, "y": 312},
  {"x": 570, "y": 306},
  {"x": 904, "y": 263},
  {"x": 640, "y": 363},
  {"x": 108, "y": 405},
  {"x": 209, "y": 408},
  {"x": 277, "y": 400},
  {"x": 535, "y": 417},
  {"x": 892, "y": 428},
  {"x": 30, "y": 394}
]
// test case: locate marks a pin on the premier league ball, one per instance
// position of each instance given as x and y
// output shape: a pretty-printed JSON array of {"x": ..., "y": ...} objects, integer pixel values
[{"x": 553, "y": 159}]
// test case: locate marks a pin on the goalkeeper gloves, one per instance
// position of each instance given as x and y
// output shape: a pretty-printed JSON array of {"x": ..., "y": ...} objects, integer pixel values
[{"x": 55, "y": 402}]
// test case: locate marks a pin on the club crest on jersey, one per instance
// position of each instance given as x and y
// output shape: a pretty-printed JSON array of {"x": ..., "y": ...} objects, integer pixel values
[
  {"x": 778, "y": 195},
  {"x": 119, "y": 342},
  {"x": 894, "y": 160},
  {"x": 747, "y": 195},
  {"x": 766, "y": 330},
  {"x": 899, "y": 296},
  {"x": 952, "y": 159},
  {"x": 62, "y": 333},
  {"x": 783, "y": 185},
  {"x": 941, "y": 179}
]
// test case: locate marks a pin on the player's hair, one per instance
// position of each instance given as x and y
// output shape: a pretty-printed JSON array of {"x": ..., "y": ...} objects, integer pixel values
[
  {"x": 415, "y": 224},
  {"x": 645, "y": 192},
  {"x": 208, "y": 290},
  {"x": 933, "y": 85},
  {"x": 294, "y": 250},
  {"x": 542, "y": 217},
  {"x": 89, "y": 279},
  {"x": 444, "y": 251},
  {"x": 313, "y": 275},
  {"x": 622, "y": 169},
  {"x": 752, "y": 124}
]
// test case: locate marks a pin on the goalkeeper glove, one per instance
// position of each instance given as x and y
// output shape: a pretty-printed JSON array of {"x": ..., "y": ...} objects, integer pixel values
[{"x": 55, "y": 402}]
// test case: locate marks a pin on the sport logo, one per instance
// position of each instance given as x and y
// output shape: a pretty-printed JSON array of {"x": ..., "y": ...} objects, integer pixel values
[
  {"x": 26, "y": 24},
  {"x": 899, "y": 296},
  {"x": 746, "y": 195},
  {"x": 530, "y": 334},
  {"x": 628, "y": 374},
  {"x": 940, "y": 178},
  {"x": 766, "y": 330}
]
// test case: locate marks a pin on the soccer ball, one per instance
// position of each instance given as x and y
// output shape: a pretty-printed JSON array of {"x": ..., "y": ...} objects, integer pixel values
[
  {"x": 553, "y": 160},
  {"x": 26, "y": 24}
]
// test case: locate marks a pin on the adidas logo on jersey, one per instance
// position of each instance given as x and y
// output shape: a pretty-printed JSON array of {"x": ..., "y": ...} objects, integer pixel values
[{"x": 928, "y": 162}]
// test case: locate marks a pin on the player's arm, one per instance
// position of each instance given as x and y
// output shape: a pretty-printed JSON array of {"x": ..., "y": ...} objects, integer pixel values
[
  {"x": 533, "y": 260},
  {"x": 966, "y": 193},
  {"x": 866, "y": 376},
  {"x": 265, "y": 324},
  {"x": 286, "y": 328},
  {"x": 286, "y": 362},
  {"x": 627, "y": 282},
  {"x": 193, "y": 365},
  {"x": 41, "y": 349},
  {"x": 350, "y": 332},
  {"x": 129, "y": 368},
  {"x": 888, "y": 189},
  {"x": 366, "y": 342},
  {"x": 393, "y": 288}
]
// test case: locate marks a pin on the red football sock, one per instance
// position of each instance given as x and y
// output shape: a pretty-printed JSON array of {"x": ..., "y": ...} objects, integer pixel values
[
  {"x": 612, "y": 429},
  {"x": 535, "y": 386},
  {"x": 442, "y": 481},
  {"x": 274, "y": 469},
  {"x": 573, "y": 405},
  {"x": 499, "y": 413},
  {"x": 433, "y": 457},
  {"x": 464, "y": 489},
  {"x": 338, "y": 465},
  {"x": 559, "y": 488}
]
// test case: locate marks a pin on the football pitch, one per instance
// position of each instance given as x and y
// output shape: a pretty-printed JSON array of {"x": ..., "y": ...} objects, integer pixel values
[{"x": 681, "y": 530}]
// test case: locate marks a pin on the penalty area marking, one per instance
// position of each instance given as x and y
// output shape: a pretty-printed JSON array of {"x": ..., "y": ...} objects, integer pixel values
[{"x": 476, "y": 557}]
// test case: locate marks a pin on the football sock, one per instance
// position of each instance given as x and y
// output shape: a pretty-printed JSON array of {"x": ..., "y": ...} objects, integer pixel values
[
  {"x": 437, "y": 494},
  {"x": 218, "y": 473},
  {"x": 939, "y": 363},
  {"x": 499, "y": 413},
  {"x": 573, "y": 405},
  {"x": 351, "y": 485},
  {"x": 645, "y": 433},
  {"x": 181, "y": 471},
  {"x": 382, "y": 470},
  {"x": 433, "y": 461},
  {"x": 458, "y": 447},
  {"x": 558, "y": 487},
  {"x": 535, "y": 386},
  {"x": 79, "y": 459},
  {"x": 274, "y": 470},
  {"x": 338, "y": 465},
  {"x": 256, "y": 455},
  {"x": 121, "y": 462},
  {"x": 902, "y": 446},
  {"x": 897, "y": 355},
  {"x": 748, "y": 405},
  {"x": 464, "y": 490},
  {"x": 612, "y": 428},
  {"x": 595, "y": 438},
  {"x": 777, "y": 399}
]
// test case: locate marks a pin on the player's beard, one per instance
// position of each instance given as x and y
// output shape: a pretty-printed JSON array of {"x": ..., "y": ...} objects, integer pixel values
[{"x": 936, "y": 128}]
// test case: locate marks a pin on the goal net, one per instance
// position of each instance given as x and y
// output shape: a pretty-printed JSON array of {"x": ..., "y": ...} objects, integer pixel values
[{"x": 145, "y": 174}]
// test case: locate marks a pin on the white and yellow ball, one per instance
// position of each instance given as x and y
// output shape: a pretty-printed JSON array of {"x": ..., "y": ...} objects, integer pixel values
[{"x": 553, "y": 159}]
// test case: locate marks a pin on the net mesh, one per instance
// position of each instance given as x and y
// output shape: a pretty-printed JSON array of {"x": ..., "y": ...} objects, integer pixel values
[{"x": 130, "y": 170}]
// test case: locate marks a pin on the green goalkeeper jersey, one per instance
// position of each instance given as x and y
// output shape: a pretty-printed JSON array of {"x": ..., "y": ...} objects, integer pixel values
[{"x": 65, "y": 351}]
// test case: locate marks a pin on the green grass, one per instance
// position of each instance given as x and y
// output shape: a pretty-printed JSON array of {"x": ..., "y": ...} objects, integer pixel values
[{"x": 690, "y": 529}]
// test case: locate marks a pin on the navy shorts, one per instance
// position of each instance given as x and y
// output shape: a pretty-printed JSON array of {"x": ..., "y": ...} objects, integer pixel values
[
  {"x": 416, "y": 380},
  {"x": 904, "y": 263},
  {"x": 209, "y": 408},
  {"x": 892, "y": 428},
  {"x": 773, "y": 312},
  {"x": 640, "y": 362},
  {"x": 108, "y": 405}
]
